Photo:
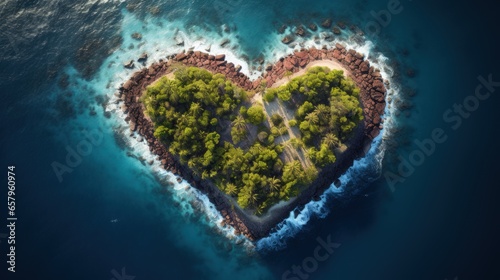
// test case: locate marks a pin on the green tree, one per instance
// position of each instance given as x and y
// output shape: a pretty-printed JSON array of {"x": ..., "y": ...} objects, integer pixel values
[
  {"x": 255, "y": 114},
  {"x": 331, "y": 141},
  {"x": 231, "y": 189},
  {"x": 239, "y": 123},
  {"x": 274, "y": 184}
]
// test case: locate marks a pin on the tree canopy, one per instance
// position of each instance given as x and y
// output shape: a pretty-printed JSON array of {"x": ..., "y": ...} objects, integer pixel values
[{"x": 203, "y": 119}]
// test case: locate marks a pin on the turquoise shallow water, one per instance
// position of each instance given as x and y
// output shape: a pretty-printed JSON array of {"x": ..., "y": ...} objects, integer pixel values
[{"x": 111, "y": 212}]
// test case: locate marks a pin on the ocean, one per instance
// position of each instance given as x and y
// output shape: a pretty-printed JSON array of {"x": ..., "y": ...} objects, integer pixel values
[{"x": 111, "y": 215}]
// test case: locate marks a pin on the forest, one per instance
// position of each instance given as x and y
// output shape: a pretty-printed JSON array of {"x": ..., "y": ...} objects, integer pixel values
[{"x": 205, "y": 120}]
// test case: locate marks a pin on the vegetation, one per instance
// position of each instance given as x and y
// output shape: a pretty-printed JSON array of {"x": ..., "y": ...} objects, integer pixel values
[
  {"x": 204, "y": 120},
  {"x": 327, "y": 110},
  {"x": 256, "y": 114}
]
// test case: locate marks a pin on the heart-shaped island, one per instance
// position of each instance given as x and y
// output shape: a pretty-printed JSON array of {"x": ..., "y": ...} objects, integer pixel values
[{"x": 284, "y": 137}]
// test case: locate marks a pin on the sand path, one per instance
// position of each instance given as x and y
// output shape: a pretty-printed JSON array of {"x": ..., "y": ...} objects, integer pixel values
[
  {"x": 333, "y": 65},
  {"x": 277, "y": 107}
]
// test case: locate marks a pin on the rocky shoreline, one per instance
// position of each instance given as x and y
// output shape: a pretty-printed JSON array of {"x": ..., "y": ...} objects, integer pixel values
[{"x": 372, "y": 98}]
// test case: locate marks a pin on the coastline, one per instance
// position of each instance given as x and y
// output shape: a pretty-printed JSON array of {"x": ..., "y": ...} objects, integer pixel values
[{"x": 372, "y": 97}]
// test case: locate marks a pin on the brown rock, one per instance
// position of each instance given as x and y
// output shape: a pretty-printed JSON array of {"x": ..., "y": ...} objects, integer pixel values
[
  {"x": 327, "y": 23},
  {"x": 282, "y": 29},
  {"x": 180, "y": 56},
  {"x": 287, "y": 39},
  {"x": 302, "y": 55},
  {"x": 339, "y": 46},
  {"x": 377, "y": 96},
  {"x": 220, "y": 57},
  {"x": 364, "y": 67},
  {"x": 288, "y": 65},
  {"x": 379, "y": 86},
  {"x": 301, "y": 31},
  {"x": 129, "y": 65},
  {"x": 128, "y": 84},
  {"x": 336, "y": 54},
  {"x": 359, "y": 55}
]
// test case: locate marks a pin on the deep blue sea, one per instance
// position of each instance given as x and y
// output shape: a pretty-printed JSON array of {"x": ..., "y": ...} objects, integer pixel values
[{"x": 111, "y": 215}]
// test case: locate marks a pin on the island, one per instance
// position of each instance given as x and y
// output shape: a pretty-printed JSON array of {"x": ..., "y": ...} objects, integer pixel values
[
  {"x": 258, "y": 149},
  {"x": 224, "y": 135}
]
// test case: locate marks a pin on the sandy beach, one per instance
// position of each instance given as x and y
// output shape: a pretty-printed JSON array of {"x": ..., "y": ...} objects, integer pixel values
[{"x": 333, "y": 65}]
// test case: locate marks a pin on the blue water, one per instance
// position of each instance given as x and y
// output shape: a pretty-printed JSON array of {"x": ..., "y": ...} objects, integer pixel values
[{"x": 113, "y": 212}]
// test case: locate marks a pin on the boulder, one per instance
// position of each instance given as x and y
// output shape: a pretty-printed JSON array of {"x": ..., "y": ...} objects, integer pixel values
[
  {"x": 288, "y": 65},
  {"x": 180, "y": 56},
  {"x": 220, "y": 57},
  {"x": 302, "y": 55},
  {"x": 301, "y": 31},
  {"x": 364, "y": 67},
  {"x": 303, "y": 63},
  {"x": 179, "y": 41},
  {"x": 129, "y": 65},
  {"x": 313, "y": 27},
  {"x": 336, "y": 54},
  {"x": 224, "y": 42},
  {"x": 143, "y": 57},
  {"x": 327, "y": 23},
  {"x": 128, "y": 85},
  {"x": 287, "y": 40},
  {"x": 379, "y": 86},
  {"x": 136, "y": 35},
  {"x": 282, "y": 29}
]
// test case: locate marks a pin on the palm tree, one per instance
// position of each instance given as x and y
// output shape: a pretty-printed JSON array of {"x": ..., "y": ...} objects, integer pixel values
[
  {"x": 183, "y": 119},
  {"x": 294, "y": 167},
  {"x": 240, "y": 123},
  {"x": 253, "y": 198},
  {"x": 323, "y": 111},
  {"x": 312, "y": 117},
  {"x": 331, "y": 140},
  {"x": 195, "y": 108},
  {"x": 274, "y": 183},
  {"x": 249, "y": 194},
  {"x": 231, "y": 189}
]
